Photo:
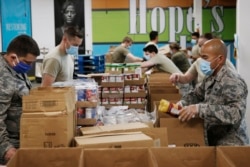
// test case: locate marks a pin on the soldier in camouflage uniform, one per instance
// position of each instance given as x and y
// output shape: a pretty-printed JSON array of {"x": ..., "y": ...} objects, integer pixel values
[
  {"x": 220, "y": 99},
  {"x": 14, "y": 83}
]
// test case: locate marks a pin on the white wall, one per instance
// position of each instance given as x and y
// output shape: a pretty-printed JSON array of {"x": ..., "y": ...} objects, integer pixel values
[
  {"x": 243, "y": 60},
  {"x": 43, "y": 27}
]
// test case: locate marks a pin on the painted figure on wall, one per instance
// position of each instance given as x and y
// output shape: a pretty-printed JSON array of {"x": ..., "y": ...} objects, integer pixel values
[{"x": 69, "y": 13}]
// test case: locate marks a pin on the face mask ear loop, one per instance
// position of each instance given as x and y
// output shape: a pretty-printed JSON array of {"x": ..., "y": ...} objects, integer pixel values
[{"x": 14, "y": 64}]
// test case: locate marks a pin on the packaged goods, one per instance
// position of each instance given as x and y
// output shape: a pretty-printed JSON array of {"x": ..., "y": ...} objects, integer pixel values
[{"x": 168, "y": 107}]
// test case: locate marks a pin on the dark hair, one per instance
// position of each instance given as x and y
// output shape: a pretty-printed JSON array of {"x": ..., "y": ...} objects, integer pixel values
[
  {"x": 66, "y": 4},
  {"x": 23, "y": 45},
  {"x": 150, "y": 48},
  {"x": 197, "y": 34},
  {"x": 174, "y": 45},
  {"x": 73, "y": 31},
  {"x": 127, "y": 39},
  {"x": 207, "y": 36},
  {"x": 153, "y": 35}
]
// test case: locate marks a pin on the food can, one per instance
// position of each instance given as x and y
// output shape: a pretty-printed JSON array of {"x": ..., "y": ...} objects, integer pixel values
[
  {"x": 88, "y": 113},
  {"x": 134, "y": 89},
  {"x": 135, "y": 76}
]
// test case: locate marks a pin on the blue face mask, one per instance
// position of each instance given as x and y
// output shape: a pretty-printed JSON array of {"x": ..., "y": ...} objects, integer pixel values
[
  {"x": 206, "y": 68},
  {"x": 72, "y": 50},
  {"x": 193, "y": 41},
  {"x": 22, "y": 67}
]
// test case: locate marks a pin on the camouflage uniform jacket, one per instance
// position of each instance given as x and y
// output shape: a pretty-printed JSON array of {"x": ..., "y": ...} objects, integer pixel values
[
  {"x": 12, "y": 87},
  {"x": 221, "y": 103}
]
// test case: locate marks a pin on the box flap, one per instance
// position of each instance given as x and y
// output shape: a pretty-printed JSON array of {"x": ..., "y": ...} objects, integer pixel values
[
  {"x": 113, "y": 128},
  {"x": 232, "y": 156},
  {"x": 185, "y": 156},
  {"x": 116, "y": 140}
]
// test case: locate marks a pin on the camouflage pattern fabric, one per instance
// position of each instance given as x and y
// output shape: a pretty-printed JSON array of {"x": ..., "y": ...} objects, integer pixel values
[
  {"x": 12, "y": 87},
  {"x": 221, "y": 103}
]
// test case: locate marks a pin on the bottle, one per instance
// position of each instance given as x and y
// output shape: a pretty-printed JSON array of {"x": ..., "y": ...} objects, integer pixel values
[{"x": 169, "y": 108}]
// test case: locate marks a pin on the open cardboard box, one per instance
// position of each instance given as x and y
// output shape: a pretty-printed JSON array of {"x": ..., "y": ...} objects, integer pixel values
[
  {"x": 157, "y": 134},
  {"x": 129, "y": 157},
  {"x": 60, "y": 157},
  {"x": 77, "y": 157},
  {"x": 185, "y": 134},
  {"x": 185, "y": 156},
  {"x": 233, "y": 156}
]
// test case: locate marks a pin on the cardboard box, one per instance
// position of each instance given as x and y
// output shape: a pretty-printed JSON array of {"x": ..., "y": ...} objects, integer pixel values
[
  {"x": 86, "y": 121},
  {"x": 137, "y": 126},
  {"x": 233, "y": 156},
  {"x": 126, "y": 157},
  {"x": 112, "y": 84},
  {"x": 86, "y": 104},
  {"x": 141, "y": 93},
  {"x": 112, "y": 95},
  {"x": 141, "y": 81},
  {"x": 60, "y": 157},
  {"x": 173, "y": 97},
  {"x": 185, "y": 134},
  {"x": 44, "y": 91},
  {"x": 47, "y": 130},
  {"x": 48, "y": 102},
  {"x": 115, "y": 140},
  {"x": 185, "y": 156}
]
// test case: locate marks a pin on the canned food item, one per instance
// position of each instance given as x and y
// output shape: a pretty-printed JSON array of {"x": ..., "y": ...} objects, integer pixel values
[
  {"x": 139, "y": 100},
  {"x": 105, "y": 78},
  {"x": 133, "y": 100},
  {"x": 91, "y": 95},
  {"x": 134, "y": 89},
  {"x": 112, "y": 101},
  {"x": 105, "y": 90},
  {"x": 113, "y": 90},
  {"x": 88, "y": 113},
  {"x": 119, "y": 78},
  {"x": 127, "y": 89},
  {"x": 80, "y": 112},
  {"x": 120, "y": 90},
  {"x": 118, "y": 100},
  {"x": 135, "y": 76},
  {"x": 81, "y": 95},
  {"x": 127, "y": 77},
  {"x": 141, "y": 87},
  {"x": 127, "y": 100},
  {"x": 112, "y": 78},
  {"x": 104, "y": 101}
]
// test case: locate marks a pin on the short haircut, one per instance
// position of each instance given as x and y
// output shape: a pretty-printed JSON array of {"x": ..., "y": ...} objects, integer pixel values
[
  {"x": 23, "y": 45},
  {"x": 197, "y": 34},
  {"x": 150, "y": 48},
  {"x": 207, "y": 36},
  {"x": 174, "y": 45},
  {"x": 153, "y": 35},
  {"x": 127, "y": 39},
  {"x": 73, "y": 31}
]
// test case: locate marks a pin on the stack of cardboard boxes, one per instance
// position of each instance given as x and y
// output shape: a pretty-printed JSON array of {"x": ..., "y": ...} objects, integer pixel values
[{"x": 48, "y": 118}]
